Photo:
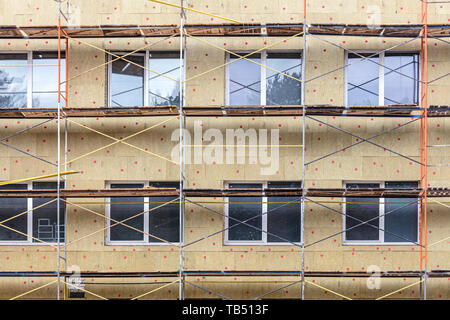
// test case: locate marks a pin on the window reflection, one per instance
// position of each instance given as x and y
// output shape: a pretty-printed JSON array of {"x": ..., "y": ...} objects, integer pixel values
[
  {"x": 13, "y": 207},
  {"x": 283, "y": 218},
  {"x": 363, "y": 80},
  {"x": 402, "y": 224},
  {"x": 127, "y": 82},
  {"x": 399, "y": 89},
  {"x": 45, "y": 219},
  {"x": 280, "y": 89},
  {"x": 163, "y": 90},
  {"x": 127, "y": 208},
  {"x": 162, "y": 71},
  {"x": 243, "y": 209},
  {"x": 245, "y": 81},
  {"x": 400, "y": 82},
  {"x": 164, "y": 219},
  {"x": 360, "y": 210},
  {"x": 390, "y": 220},
  {"x": 41, "y": 71},
  {"x": 13, "y": 80},
  {"x": 45, "y": 79}
]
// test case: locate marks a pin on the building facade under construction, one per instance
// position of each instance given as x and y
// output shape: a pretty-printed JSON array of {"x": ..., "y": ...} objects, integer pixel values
[{"x": 234, "y": 149}]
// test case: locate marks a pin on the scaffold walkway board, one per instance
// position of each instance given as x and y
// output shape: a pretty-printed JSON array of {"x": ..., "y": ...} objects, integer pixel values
[
  {"x": 215, "y": 30},
  {"x": 45, "y": 113},
  {"x": 226, "y": 111},
  {"x": 207, "y": 193},
  {"x": 220, "y": 273}
]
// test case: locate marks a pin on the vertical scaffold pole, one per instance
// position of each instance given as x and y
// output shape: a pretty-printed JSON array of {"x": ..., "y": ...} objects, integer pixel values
[
  {"x": 424, "y": 142},
  {"x": 181, "y": 150},
  {"x": 303, "y": 91},
  {"x": 66, "y": 137},
  {"x": 58, "y": 191}
]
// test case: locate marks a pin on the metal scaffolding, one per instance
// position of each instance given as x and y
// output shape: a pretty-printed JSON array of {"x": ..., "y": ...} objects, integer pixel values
[{"x": 183, "y": 194}]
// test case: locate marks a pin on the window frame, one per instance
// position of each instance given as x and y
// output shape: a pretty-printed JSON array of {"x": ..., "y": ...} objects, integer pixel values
[
  {"x": 263, "y": 82},
  {"x": 381, "y": 212},
  {"x": 146, "y": 55},
  {"x": 145, "y": 241},
  {"x": 29, "y": 241},
  {"x": 381, "y": 72},
  {"x": 29, "y": 67},
  {"x": 264, "y": 224},
  {"x": 145, "y": 75}
]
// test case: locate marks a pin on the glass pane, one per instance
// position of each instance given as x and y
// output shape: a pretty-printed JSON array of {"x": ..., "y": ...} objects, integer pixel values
[
  {"x": 245, "y": 81},
  {"x": 45, "y": 79},
  {"x": 363, "y": 81},
  {"x": 13, "y": 80},
  {"x": 285, "y": 221},
  {"x": 123, "y": 208},
  {"x": 243, "y": 208},
  {"x": 401, "y": 222},
  {"x": 164, "y": 222},
  {"x": 127, "y": 82},
  {"x": 399, "y": 89},
  {"x": 162, "y": 89},
  {"x": 10, "y": 207},
  {"x": 45, "y": 225},
  {"x": 280, "y": 89},
  {"x": 363, "y": 209}
]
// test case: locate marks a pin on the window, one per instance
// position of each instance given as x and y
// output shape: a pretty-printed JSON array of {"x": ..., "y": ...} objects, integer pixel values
[
  {"x": 13, "y": 80},
  {"x": 30, "y": 79},
  {"x": 244, "y": 208},
  {"x": 162, "y": 90},
  {"x": 41, "y": 223},
  {"x": 392, "y": 220},
  {"x": 45, "y": 218},
  {"x": 10, "y": 207},
  {"x": 127, "y": 84},
  {"x": 282, "y": 220},
  {"x": 45, "y": 79},
  {"x": 368, "y": 83},
  {"x": 163, "y": 223},
  {"x": 124, "y": 208},
  {"x": 245, "y": 87}
]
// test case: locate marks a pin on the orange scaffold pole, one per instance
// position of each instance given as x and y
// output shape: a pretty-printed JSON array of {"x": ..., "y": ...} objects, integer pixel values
[{"x": 424, "y": 143}]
